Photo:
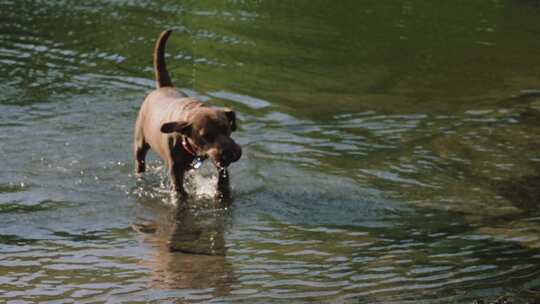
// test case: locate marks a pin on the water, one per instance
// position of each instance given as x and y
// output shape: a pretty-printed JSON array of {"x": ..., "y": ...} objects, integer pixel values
[{"x": 391, "y": 152}]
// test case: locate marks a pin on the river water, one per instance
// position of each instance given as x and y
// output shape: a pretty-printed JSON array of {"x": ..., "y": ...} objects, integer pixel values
[{"x": 391, "y": 152}]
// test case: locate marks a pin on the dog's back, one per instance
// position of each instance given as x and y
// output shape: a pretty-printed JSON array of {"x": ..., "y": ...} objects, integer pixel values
[{"x": 164, "y": 104}]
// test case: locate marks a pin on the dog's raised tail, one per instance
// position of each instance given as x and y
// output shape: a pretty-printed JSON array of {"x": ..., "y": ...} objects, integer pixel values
[{"x": 160, "y": 69}]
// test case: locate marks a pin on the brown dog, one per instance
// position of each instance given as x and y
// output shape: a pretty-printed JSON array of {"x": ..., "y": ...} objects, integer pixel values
[{"x": 182, "y": 129}]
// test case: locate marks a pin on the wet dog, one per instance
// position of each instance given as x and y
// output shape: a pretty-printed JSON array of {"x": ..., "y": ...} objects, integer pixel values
[{"x": 183, "y": 130}]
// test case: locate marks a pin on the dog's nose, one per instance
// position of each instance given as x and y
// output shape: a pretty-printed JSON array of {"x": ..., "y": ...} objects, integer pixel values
[
  {"x": 231, "y": 155},
  {"x": 237, "y": 153},
  {"x": 228, "y": 156}
]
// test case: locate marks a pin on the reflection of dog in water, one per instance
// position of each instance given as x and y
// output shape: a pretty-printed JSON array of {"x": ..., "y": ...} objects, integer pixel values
[
  {"x": 183, "y": 130},
  {"x": 200, "y": 231},
  {"x": 188, "y": 249},
  {"x": 189, "y": 229}
]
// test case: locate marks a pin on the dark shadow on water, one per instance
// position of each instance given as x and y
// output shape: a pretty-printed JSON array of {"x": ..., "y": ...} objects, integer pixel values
[
  {"x": 9, "y": 239},
  {"x": 523, "y": 192}
]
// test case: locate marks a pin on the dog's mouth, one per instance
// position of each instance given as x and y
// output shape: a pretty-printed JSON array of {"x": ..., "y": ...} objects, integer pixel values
[
  {"x": 223, "y": 162},
  {"x": 224, "y": 159}
]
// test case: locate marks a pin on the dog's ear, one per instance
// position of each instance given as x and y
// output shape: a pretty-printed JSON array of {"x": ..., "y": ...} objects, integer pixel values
[
  {"x": 231, "y": 116},
  {"x": 182, "y": 127}
]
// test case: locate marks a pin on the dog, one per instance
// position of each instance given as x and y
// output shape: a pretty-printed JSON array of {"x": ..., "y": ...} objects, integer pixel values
[{"x": 182, "y": 130}]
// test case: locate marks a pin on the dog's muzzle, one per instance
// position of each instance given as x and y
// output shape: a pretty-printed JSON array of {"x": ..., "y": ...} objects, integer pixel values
[{"x": 229, "y": 156}]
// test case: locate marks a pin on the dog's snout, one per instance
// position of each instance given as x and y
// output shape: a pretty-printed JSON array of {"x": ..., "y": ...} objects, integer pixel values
[
  {"x": 231, "y": 155},
  {"x": 228, "y": 156},
  {"x": 237, "y": 153}
]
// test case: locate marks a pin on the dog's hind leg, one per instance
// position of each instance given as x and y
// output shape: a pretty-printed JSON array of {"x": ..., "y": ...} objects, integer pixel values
[
  {"x": 140, "y": 155},
  {"x": 140, "y": 147}
]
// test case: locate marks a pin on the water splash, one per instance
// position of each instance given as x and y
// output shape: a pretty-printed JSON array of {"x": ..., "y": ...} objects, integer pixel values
[{"x": 203, "y": 181}]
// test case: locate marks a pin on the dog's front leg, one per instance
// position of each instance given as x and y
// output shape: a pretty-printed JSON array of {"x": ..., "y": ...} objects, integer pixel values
[
  {"x": 223, "y": 186},
  {"x": 176, "y": 172}
]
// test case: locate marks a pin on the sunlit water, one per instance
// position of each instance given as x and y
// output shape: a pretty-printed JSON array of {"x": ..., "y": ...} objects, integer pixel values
[{"x": 391, "y": 152}]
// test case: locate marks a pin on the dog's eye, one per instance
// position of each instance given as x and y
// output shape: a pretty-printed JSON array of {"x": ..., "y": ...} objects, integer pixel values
[{"x": 201, "y": 140}]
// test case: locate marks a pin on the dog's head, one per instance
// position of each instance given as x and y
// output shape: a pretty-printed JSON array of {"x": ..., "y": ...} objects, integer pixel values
[{"x": 208, "y": 131}]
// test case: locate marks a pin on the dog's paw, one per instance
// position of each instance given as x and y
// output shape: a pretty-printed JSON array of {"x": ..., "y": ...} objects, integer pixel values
[{"x": 178, "y": 198}]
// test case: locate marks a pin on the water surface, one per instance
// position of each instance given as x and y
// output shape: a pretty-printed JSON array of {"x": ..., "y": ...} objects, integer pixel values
[{"x": 391, "y": 152}]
